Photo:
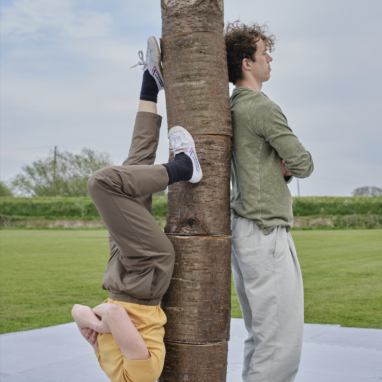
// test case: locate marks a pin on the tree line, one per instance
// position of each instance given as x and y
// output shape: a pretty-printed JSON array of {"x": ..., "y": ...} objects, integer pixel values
[
  {"x": 367, "y": 191},
  {"x": 63, "y": 173}
]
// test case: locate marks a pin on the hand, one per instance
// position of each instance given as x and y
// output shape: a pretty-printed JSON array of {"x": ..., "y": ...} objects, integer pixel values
[
  {"x": 285, "y": 172},
  {"x": 91, "y": 336}
]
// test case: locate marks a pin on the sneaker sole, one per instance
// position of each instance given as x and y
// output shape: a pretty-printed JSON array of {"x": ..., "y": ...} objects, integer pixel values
[{"x": 155, "y": 51}]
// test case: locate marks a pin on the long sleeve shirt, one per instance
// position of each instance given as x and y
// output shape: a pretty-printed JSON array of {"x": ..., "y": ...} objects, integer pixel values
[{"x": 261, "y": 139}]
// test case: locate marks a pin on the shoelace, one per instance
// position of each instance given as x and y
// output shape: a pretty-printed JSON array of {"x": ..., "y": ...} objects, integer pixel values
[
  {"x": 142, "y": 62},
  {"x": 178, "y": 143}
]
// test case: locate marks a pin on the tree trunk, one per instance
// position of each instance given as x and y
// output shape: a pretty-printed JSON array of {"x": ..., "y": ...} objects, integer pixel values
[
  {"x": 195, "y": 363},
  {"x": 203, "y": 208},
  {"x": 198, "y": 301}
]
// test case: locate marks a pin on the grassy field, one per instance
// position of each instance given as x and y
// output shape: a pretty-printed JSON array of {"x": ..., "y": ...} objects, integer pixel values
[
  {"x": 342, "y": 277},
  {"x": 44, "y": 272}
]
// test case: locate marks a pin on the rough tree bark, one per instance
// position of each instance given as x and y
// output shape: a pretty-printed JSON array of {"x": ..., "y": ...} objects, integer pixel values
[{"x": 197, "y": 303}]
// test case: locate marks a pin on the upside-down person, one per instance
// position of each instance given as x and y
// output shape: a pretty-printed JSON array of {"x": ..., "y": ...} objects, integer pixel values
[{"x": 126, "y": 331}]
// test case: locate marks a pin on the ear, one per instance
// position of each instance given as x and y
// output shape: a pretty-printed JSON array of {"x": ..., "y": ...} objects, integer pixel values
[{"x": 246, "y": 64}]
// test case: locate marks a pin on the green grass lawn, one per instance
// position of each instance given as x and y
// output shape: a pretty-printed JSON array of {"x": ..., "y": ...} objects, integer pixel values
[
  {"x": 44, "y": 272},
  {"x": 342, "y": 277}
]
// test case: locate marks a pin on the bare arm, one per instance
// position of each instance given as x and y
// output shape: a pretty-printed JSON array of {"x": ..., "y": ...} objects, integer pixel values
[
  {"x": 123, "y": 330},
  {"x": 85, "y": 318},
  {"x": 90, "y": 324}
]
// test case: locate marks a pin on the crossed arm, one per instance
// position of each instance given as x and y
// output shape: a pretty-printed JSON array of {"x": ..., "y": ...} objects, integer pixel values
[
  {"x": 111, "y": 318},
  {"x": 269, "y": 121}
]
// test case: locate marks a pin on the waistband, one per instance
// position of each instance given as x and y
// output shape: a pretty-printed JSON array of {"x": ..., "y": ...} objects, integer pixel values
[{"x": 127, "y": 298}]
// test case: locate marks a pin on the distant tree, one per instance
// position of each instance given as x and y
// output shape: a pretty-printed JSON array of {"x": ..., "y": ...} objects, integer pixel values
[
  {"x": 60, "y": 174},
  {"x": 367, "y": 191},
  {"x": 4, "y": 189}
]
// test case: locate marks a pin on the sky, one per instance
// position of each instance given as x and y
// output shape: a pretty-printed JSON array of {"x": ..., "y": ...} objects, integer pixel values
[{"x": 66, "y": 81}]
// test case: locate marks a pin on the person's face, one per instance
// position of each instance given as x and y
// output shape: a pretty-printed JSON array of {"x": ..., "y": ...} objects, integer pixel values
[{"x": 261, "y": 68}]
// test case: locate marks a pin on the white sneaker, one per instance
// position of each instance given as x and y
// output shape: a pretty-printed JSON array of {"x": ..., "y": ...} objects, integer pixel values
[
  {"x": 181, "y": 141},
  {"x": 153, "y": 61}
]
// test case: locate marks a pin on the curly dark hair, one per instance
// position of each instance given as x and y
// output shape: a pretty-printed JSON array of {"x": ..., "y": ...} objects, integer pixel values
[{"x": 241, "y": 43}]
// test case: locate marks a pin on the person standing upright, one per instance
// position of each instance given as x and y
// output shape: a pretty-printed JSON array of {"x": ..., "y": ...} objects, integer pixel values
[{"x": 266, "y": 155}]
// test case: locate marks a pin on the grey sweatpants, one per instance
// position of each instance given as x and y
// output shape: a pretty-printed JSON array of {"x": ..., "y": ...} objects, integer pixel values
[{"x": 269, "y": 287}]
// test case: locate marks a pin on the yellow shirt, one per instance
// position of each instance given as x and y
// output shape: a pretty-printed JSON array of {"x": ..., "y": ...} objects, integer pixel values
[{"x": 150, "y": 320}]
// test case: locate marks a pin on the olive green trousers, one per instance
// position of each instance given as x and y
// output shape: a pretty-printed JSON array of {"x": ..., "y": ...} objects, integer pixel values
[{"x": 141, "y": 256}]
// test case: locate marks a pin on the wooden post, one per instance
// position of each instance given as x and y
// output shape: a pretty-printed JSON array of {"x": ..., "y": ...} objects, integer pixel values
[{"x": 198, "y": 302}]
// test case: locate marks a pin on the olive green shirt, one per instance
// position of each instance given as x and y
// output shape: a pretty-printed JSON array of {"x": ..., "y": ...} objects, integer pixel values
[{"x": 261, "y": 138}]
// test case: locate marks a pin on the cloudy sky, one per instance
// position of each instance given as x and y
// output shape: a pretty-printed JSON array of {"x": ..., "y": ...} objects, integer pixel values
[{"x": 66, "y": 82}]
